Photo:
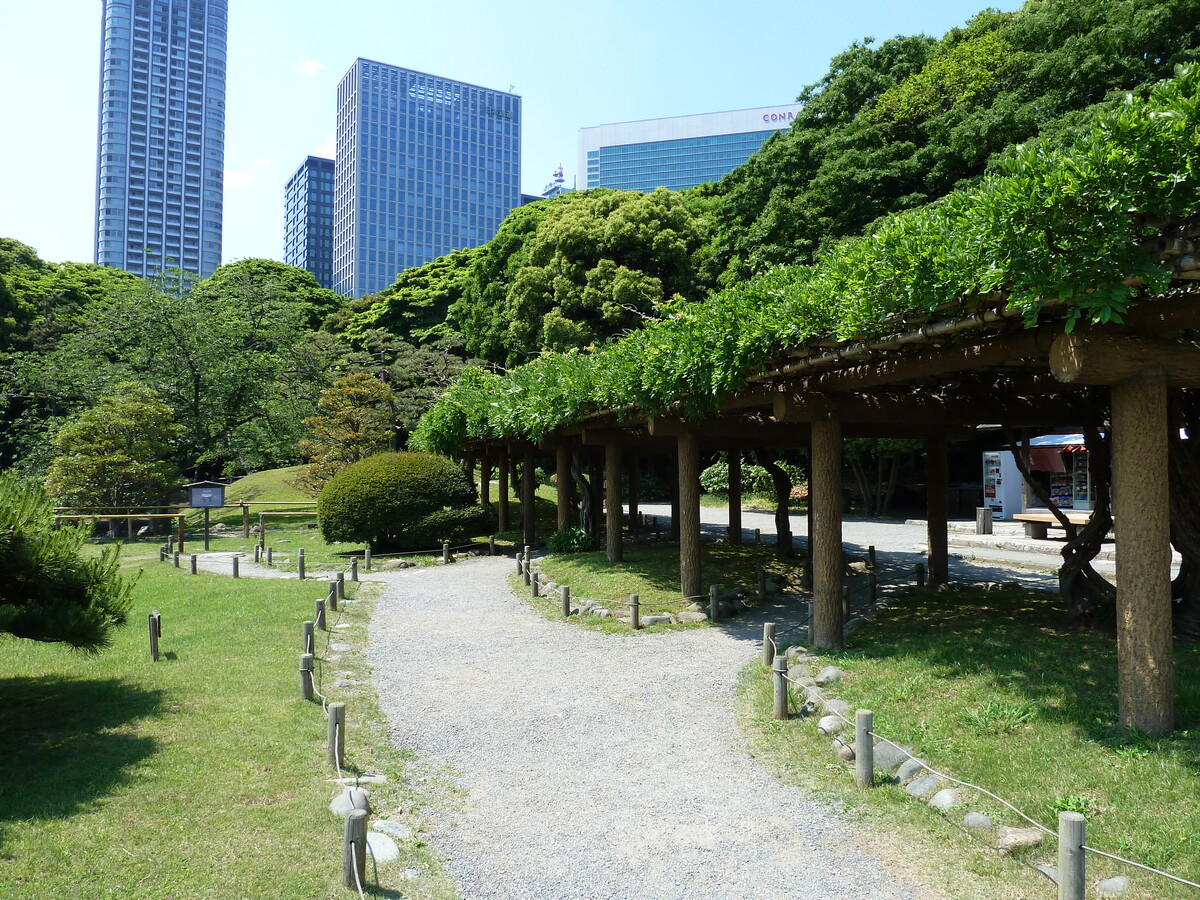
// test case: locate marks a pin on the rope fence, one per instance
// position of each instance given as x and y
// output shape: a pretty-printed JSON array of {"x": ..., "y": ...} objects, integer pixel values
[{"x": 1071, "y": 882}]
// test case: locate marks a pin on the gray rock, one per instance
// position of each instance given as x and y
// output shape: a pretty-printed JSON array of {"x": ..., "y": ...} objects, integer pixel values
[
  {"x": 383, "y": 848},
  {"x": 339, "y": 647},
  {"x": 1113, "y": 887},
  {"x": 1048, "y": 870},
  {"x": 946, "y": 798},
  {"x": 397, "y": 830},
  {"x": 829, "y": 675},
  {"x": 143, "y": 531},
  {"x": 846, "y": 752},
  {"x": 600, "y": 613},
  {"x": 807, "y": 708},
  {"x": 656, "y": 620},
  {"x": 924, "y": 786},
  {"x": 853, "y": 625},
  {"x": 1009, "y": 839},
  {"x": 830, "y": 725},
  {"x": 836, "y": 707},
  {"x": 910, "y": 769},
  {"x": 888, "y": 758},
  {"x": 858, "y": 568},
  {"x": 690, "y": 616},
  {"x": 696, "y": 607},
  {"x": 793, "y": 652},
  {"x": 412, "y": 874},
  {"x": 977, "y": 821},
  {"x": 221, "y": 526},
  {"x": 350, "y": 799}
]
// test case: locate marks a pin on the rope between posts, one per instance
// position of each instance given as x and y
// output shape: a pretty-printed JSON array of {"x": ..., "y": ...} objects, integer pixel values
[
  {"x": 1130, "y": 862},
  {"x": 357, "y": 880}
]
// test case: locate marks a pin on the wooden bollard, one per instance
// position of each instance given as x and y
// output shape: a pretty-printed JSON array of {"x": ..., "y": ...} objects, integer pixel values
[
  {"x": 566, "y": 600},
  {"x": 779, "y": 673},
  {"x": 306, "y": 636},
  {"x": 491, "y": 545},
  {"x": 871, "y": 557},
  {"x": 762, "y": 586},
  {"x": 520, "y": 565},
  {"x": 714, "y": 607},
  {"x": 192, "y": 564},
  {"x": 300, "y": 563},
  {"x": 768, "y": 652},
  {"x": 331, "y": 595},
  {"x": 270, "y": 560},
  {"x": 354, "y": 568},
  {"x": 354, "y": 850},
  {"x": 155, "y": 634},
  {"x": 983, "y": 520},
  {"x": 235, "y": 566},
  {"x": 319, "y": 618},
  {"x": 758, "y": 535},
  {"x": 341, "y": 585},
  {"x": 864, "y": 749},
  {"x": 534, "y": 584},
  {"x": 920, "y": 574},
  {"x": 337, "y": 734},
  {"x": 176, "y": 557},
  {"x": 1072, "y": 869},
  {"x": 445, "y": 551},
  {"x": 306, "y": 676},
  {"x": 170, "y": 544},
  {"x": 257, "y": 552},
  {"x": 162, "y": 553},
  {"x": 635, "y": 611},
  {"x": 527, "y": 569}
]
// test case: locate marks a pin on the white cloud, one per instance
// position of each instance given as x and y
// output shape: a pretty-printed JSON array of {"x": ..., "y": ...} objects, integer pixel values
[
  {"x": 308, "y": 66},
  {"x": 328, "y": 148},
  {"x": 243, "y": 179}
]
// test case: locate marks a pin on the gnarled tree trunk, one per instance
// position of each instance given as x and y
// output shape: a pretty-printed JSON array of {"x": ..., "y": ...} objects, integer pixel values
[{"x": 782, "y": 483}]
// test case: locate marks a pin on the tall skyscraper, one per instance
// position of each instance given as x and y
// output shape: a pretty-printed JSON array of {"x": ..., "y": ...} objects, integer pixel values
[
  {"x": 160, "y": 162},
  {"x": 678, "y": 152},
  {"x": 308, "y": 219},
  {"x": 424, "y": 165}
]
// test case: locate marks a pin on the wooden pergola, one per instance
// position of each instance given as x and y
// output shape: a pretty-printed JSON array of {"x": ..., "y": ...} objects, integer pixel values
[{"x": 937, "y": 379}]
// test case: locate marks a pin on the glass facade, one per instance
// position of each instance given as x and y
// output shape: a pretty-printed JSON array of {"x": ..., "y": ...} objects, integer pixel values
[
  {"x": 674, "y": 164},
  {"x": 308, "y": 219},
  {"x": 160, "y": 161},
  {"x": 424, "y": 165}
]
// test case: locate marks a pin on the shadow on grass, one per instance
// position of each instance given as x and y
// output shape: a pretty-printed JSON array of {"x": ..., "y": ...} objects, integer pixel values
[
  {"x": 1017, "y": 640},
  {"x": 64, "y": 742}
]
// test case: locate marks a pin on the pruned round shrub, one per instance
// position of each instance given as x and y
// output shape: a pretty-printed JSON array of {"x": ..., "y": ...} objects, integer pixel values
[
  {"x": 400, "y": 501},
  {"x": 569, "y": 540}
]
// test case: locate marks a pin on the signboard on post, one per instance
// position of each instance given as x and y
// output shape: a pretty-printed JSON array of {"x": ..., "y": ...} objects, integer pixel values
[{"x": 206, "y": 495}]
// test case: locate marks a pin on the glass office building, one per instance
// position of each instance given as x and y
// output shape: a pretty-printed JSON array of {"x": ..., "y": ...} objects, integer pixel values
[
  {"x": 308, "y": 219},
  {"x": 677, "y": 152},
  {"x": 424, "y": 165},
  {"x": 160, "y": 161}
]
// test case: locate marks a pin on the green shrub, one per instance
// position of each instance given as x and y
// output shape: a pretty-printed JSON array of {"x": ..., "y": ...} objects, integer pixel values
[
  {"x": 401, "y": 501},
  {"x": 755, "y": 479},
  {"x": 569, "y": 540}
]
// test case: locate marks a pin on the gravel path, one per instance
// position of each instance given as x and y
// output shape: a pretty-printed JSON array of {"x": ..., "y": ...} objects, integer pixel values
[{"x": 596, "y": 765}]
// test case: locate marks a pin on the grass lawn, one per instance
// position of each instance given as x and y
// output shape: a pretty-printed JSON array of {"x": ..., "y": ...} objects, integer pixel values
[
  {"x": 202, "y": 775},
  {"x": 992, "y": 689}
]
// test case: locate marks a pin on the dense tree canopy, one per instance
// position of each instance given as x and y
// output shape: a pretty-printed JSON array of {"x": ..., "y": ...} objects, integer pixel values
[{"x": 894, "y": 126}]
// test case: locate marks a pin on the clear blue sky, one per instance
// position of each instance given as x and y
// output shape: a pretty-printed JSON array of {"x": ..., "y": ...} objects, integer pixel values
[{"x": 574, "y": 64}]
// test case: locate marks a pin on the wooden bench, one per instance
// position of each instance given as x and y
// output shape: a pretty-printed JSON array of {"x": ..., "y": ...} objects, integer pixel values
[{"x": 1038, "y": 523}]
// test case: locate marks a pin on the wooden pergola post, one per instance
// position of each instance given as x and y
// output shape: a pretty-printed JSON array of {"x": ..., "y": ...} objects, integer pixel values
[
  {"x": 528, "y": 493},
  {"x": 1145, "y": 650},
  {"x": 562, "y": 468},
  {"x": 673, "y": 479},
  {"x": 937, "y": 512},
  {"x": 612, "y": 501},
  {"x": 735, "y": 496},
  {"x": 502, "y": 490},
  {"x": 485, "y": 480},
  {"x": 825, "y": 540},
  {"x": 688, "y": 517}
]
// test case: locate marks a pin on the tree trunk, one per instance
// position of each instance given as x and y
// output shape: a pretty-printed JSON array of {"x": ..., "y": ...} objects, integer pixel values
[
  {"x": 1090, "y": 597},
  {"x": 782, "y": 482},
  {"x": 586, "y": 517}
]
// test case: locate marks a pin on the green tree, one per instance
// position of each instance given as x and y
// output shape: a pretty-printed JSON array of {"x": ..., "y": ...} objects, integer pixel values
[
  {"x": 265, "y": 283},
  {"x": 117, "y": 454},
  {"x": 355, "y": 421},
  {"x": 49, "y": 592}
]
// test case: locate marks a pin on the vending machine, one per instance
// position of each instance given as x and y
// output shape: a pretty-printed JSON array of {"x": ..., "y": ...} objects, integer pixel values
[{"x": 1002, "y": 484}]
